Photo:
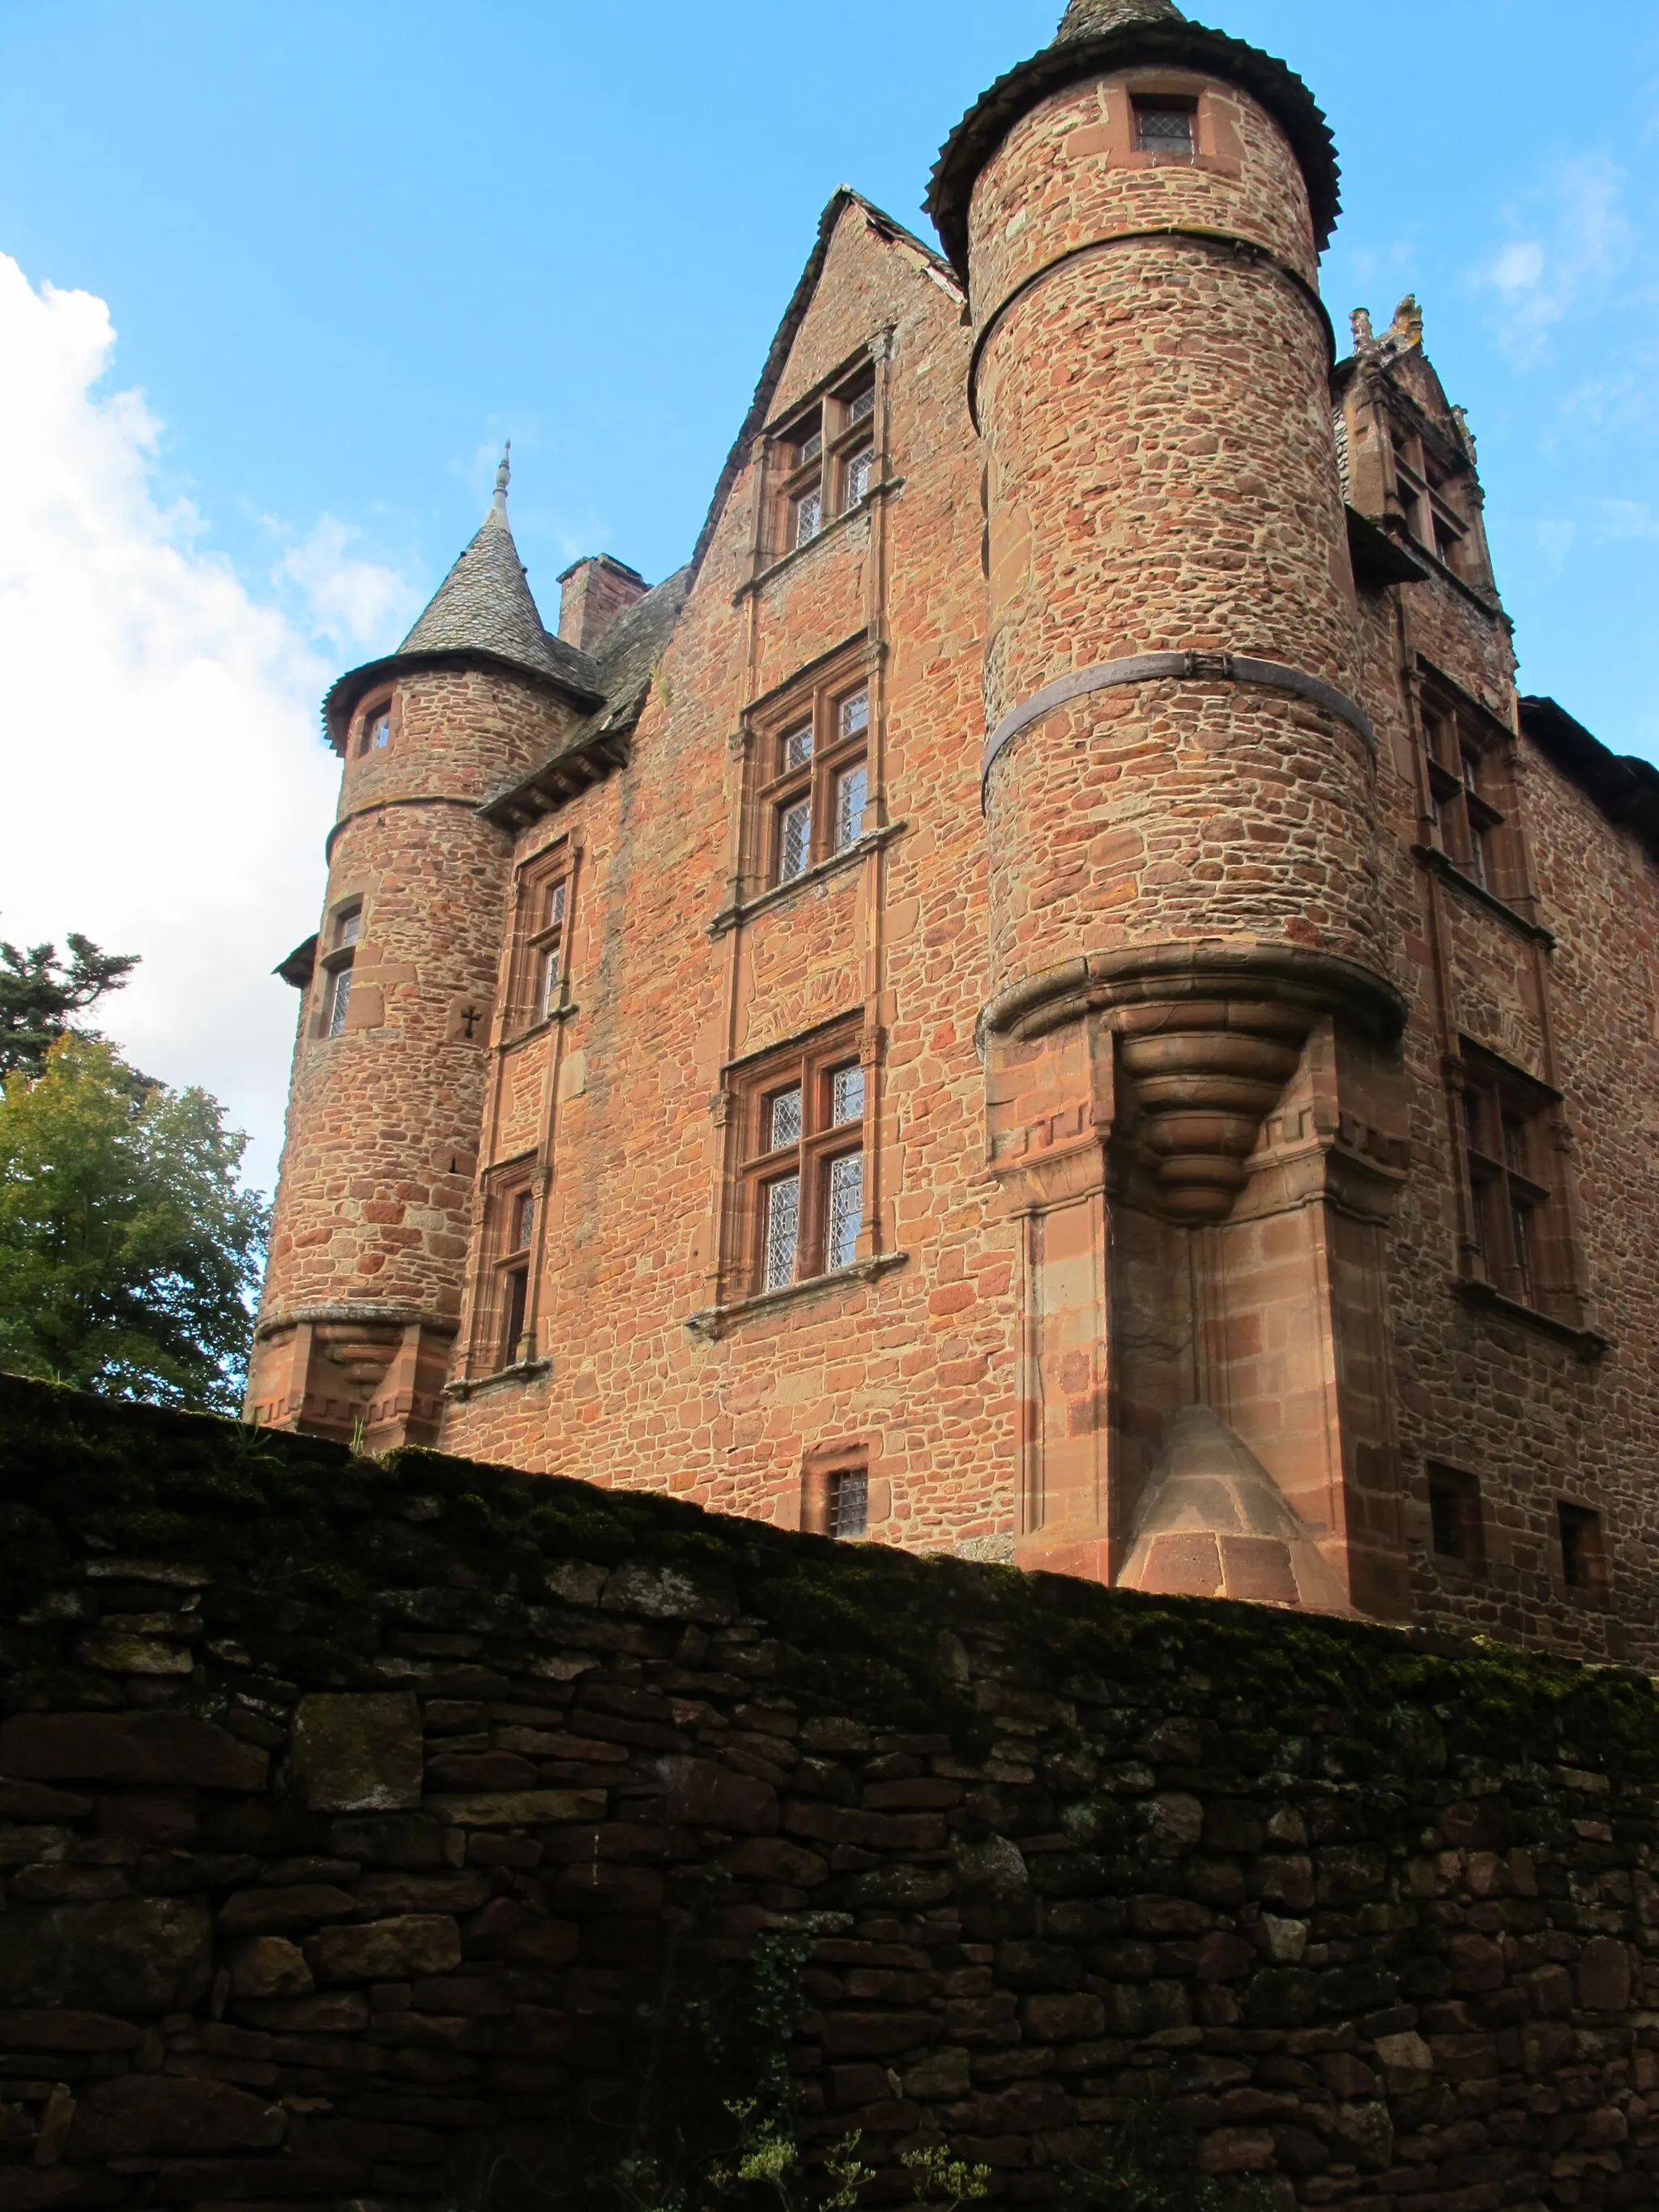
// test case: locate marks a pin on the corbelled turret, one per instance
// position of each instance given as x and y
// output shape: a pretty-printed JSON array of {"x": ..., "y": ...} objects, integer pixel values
[
  {"x": 373, "y": 1209},
  {"x": 1177, "y": 779}
]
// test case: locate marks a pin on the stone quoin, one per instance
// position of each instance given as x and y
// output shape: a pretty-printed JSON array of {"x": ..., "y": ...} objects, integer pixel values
[{"x": 1045, "y": 996}]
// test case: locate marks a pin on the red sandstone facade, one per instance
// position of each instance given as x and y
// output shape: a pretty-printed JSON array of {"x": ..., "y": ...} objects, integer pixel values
[{"x": 1045, "y": 996}]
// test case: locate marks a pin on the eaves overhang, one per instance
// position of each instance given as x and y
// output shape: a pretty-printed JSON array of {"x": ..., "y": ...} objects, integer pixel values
[
  {"x": 341, "y": 699},
  {"x": 1165, "y": 44},
  {"x": 585, "y": 759},
  {"x": 1624, "y": 786}
]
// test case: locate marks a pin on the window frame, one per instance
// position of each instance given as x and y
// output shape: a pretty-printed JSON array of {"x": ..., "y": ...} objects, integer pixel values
[
  {"x": 1455, "y": 1510},
  {"x": 832, "y": 1477},
  {"x": 810, "y": 1064},
  {"x": 539, "y": 970},
  {"x": 817, "y": 701},
  {"x": 812, "y": 456},
  {"x": 1468, "y": 767},
  {"x": 368, "y": 715},
  {"x": 504, "y": 1328},
  {"x": 1581, "y": 1547},
  {"x": 1430, "y": 494},
  {"x": 336, "y": 965},
  {"x": 1507, "y": 1160},
  {"x": 1142, "y": 103}
]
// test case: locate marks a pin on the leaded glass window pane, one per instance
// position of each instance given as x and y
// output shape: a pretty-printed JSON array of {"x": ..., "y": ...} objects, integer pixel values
[
  {"x": 797, "y": 747},
  {"x": 811, "y": 446},
  {"x": 851, "y": 790},
  {"x": 847, "y": 1096},
  {"x": 782, "y": 1231},
  {"x": 863, "y": 405},
  {"x": 849, "y": 1502},
  {"x": 556, "y": 906},
  {"x": 794, "y": 840},
  {"x": 846, "y": 1209},
  {"x": 858, "y": 475},
  {"x": 783, "y": 1119},
  {"x": 549, "y": 993},
  {"x": 339, "y": 994},
  {"x": 809, "y": 516},
  {"x": 1165, "y": 130},
  {"x": 854, "y": 711},
  {"x": 524, "y": 1212},
  {"x": 380, "y": 731},
  {"x": 350, "y": 927}
]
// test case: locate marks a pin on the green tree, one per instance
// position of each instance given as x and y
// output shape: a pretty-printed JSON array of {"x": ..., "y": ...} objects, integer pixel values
[
  {"x": 39, "y": 994},
  {"x": 129, "y": 1252}
]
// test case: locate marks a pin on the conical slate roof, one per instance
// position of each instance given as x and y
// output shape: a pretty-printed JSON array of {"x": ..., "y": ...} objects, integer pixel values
[
  {"x": 1090, "y": 19},
  {"x": 485, "y": 604},
  {"x": 1213, "y": 1522}
]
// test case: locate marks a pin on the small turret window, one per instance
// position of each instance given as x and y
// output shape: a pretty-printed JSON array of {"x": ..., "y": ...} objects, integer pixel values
[
  {"x": 1165, "y": 126},
  {"x": 375, "y": 728}
]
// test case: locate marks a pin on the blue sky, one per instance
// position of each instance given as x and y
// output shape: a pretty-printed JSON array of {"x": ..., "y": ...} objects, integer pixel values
[{"x": 346, "y": 249}]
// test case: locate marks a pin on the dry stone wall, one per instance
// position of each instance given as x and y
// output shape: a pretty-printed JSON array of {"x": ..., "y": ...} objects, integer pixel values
[{"x": 368, "y": 1830}]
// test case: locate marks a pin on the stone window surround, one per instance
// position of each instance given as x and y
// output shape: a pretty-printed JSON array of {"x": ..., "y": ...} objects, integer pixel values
[
  {"x": 1455, "y": 1498},
  {"x": 1492, "y": 1096},
  {"x": 339, "y": 958},
  {"x": 820, "y": 1465},
  {"x": 531, "y": 940},
  {"x": 809, "y": 1060},
  {"x": 504, "y": 1186},
  {"x": 814, "y": 693},
  {"x": 1470, "y": 817},
  {"x": 381, "y": 699},
  {"x": 773, "y": 548},
  {"x": 1580, "y": 1543},
  {"x": 826, "y": 415},
  {"x": 1115, "y": 141}
]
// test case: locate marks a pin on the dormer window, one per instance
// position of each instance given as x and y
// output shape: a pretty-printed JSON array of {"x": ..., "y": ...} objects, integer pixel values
[
  {"x": 1165, "y": 126},
  {"x": 823, "y": 464}
]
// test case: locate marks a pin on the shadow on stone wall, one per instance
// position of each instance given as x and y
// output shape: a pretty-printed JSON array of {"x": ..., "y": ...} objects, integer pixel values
[{"x": 402, "y": 1834}]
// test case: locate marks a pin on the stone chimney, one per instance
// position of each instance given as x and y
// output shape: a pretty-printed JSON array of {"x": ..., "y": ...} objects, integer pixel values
[{"x": 592, "y": 593}]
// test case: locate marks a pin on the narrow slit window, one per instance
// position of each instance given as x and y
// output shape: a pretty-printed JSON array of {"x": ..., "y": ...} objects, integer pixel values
[
  {"x": 339, "y": 997},
  {"x": 336, "y": 988},
  {"x": 515, "y": 1304},
  {"x": 540, "y": 968}
]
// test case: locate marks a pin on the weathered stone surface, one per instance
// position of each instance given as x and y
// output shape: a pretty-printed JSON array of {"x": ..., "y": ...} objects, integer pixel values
[
  {"x": 61, "y": 2029},
  {"x": 704, "y": 1793},
  {"x": 138, "y": 1954},
  {"x": 522, "y": 1808},
  {"x": 389, "y": 1950},
  {"x": 270, "y": 1967},
  {"x": 303, "y": 1904},
  {"x": 359, "y": 1752},
  {"x": 148, "y": 2116},
  {"x": 129, "y": 1748}
]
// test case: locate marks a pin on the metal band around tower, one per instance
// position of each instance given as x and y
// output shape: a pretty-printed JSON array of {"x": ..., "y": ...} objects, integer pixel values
[{"x": 1154, "y": 667}]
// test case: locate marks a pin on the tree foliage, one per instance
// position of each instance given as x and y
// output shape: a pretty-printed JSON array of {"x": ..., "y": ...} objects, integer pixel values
[
  {"x": 40, "y": 994},
  {"x": 129, "y": 1252}
]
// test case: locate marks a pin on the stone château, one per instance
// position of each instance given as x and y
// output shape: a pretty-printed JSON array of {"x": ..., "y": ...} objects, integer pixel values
[{"x": 1044, "y": 997}]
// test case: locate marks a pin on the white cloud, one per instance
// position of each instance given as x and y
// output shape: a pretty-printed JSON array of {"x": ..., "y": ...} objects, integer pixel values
[
  {"x": 355, "y": 605},
  {"x": 1619, "y": 519},
  {"x": 165, "y": 788},
  {"x": 1582, "y": 237}
]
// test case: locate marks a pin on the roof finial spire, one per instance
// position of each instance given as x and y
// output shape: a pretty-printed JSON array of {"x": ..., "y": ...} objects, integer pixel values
[{"x": 498, "y": 505}]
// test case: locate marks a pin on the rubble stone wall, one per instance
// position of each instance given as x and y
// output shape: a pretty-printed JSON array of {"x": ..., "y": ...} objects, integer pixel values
[{"x": 367, "y": 1829}]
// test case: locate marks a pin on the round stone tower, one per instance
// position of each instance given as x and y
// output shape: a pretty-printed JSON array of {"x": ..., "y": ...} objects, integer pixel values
[
  {"x": 1178, "y": 783},
  {"x": 364, "y": 1285}
]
